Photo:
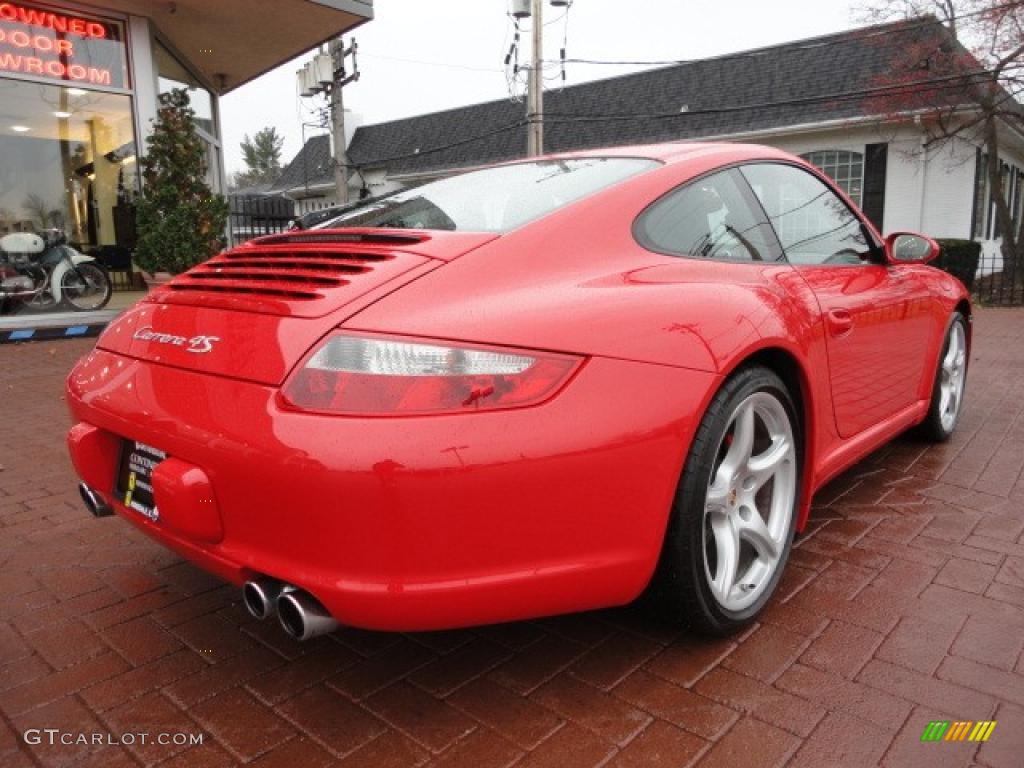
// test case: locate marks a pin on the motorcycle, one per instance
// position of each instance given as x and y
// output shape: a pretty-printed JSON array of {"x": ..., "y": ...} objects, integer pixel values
[{"x": 42, "y": 272}]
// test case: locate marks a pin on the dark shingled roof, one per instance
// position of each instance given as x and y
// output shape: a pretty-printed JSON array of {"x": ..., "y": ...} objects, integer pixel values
[
  {"x": 311, "y": 167},
  {"x": 715, "y": 97}
]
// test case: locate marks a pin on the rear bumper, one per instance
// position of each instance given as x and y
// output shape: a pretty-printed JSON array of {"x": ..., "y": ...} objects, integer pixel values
[{"x": 410, "y": 523}]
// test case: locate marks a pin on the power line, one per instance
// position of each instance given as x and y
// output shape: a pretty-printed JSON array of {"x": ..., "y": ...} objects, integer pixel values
[
  {"x": 512, "y": 68},
  {"x": 951, "y": 83},
  {"x": 933, "y": 85},
  {"x": 421, "y": 62},
  {"x": 868, "y": 33},
  {"x": 443, "y": 147}
]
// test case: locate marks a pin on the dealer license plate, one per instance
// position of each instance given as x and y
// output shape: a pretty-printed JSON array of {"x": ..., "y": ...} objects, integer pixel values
[{"x": 135, "y": 477}]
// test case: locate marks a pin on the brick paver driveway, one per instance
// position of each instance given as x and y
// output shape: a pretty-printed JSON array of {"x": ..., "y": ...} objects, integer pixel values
[{"x": 903, "y": 604}]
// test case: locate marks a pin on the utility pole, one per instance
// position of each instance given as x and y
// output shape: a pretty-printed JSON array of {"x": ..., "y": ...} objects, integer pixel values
[
  {"x": 535, "y": 98},
  {"x": 338, "y": 54}
]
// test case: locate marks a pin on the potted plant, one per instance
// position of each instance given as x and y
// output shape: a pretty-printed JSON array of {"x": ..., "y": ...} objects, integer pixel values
[{"x": 180, "y": 222}]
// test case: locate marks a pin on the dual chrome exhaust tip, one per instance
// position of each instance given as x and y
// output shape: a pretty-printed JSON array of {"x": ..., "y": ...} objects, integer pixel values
[
  {"x": 93, "y": 502},
  {"x": 261, "y": 596},
  {"x": 301, "y": 615}
]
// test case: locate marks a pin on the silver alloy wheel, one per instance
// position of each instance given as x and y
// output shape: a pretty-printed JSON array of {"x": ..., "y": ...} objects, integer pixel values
[
  {"x": 951, "y": 379},
  {"x": 749, "y": 505}
]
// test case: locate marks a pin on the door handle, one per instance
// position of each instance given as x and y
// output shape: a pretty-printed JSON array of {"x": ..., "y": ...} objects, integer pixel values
[{"x": 840, "y": 322}]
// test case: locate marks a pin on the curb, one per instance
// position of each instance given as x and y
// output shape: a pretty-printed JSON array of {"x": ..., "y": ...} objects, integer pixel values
[{"x": 18, "y": 335}]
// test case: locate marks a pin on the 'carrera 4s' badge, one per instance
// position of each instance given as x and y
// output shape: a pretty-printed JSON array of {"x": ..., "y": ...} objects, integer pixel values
[{"x": 197, "y": 344}]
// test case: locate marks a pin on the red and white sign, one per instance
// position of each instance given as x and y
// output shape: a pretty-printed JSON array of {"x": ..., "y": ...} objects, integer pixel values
[{"x": 71, "y": 47}]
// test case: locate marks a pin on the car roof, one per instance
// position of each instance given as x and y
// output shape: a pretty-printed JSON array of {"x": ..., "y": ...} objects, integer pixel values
[{"x": 681, "y": 151}]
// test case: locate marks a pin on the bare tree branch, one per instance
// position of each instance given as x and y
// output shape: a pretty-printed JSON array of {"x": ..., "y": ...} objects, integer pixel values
[{"x": 981, "y": 35}]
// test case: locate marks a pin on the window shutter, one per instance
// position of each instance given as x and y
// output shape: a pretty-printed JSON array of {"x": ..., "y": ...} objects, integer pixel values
[{"x": 876, "y": 157}]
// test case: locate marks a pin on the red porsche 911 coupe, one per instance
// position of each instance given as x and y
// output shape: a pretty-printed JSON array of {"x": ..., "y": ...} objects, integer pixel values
[{"x": 535, "y": 388}]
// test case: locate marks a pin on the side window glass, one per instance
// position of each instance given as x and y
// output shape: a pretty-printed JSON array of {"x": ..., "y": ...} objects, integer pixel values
[
  {"x": 813, "y": 224},
  {"x": 710, "y": 218}
]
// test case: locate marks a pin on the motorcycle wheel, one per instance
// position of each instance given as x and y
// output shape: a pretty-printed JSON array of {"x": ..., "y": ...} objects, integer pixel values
[
  {"x": 86, "y": 288},
  {"x": 41, "y": 302}
]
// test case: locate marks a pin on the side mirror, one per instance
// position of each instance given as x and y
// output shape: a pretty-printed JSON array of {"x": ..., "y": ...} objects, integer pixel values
[{"x": 910, "y": 248}]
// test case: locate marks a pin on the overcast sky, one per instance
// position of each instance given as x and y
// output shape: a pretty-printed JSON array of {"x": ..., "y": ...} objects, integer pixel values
[{"x": 418, "y": 56}]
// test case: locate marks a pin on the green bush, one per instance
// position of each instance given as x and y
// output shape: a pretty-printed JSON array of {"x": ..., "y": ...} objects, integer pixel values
[
  {"x": 180, "y": 221},
  {"x": 959, "y": 258}
]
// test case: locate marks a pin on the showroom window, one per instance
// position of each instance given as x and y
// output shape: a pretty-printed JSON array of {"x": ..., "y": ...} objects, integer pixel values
[
  {"x": 67, "y": 134},
  {"x": 172, "y": 75},
  {"x": 68, "y": 161},
  {"x": 845, "y": 168}
]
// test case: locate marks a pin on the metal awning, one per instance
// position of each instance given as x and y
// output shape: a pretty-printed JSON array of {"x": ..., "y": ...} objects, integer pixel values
[{"x": 234, "y": 41}]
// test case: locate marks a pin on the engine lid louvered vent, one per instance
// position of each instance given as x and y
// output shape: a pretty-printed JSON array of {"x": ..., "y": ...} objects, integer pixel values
[
  {"x": 339, "y": 236},
  {"x": 255, "y": 311},
  {"x": 281, "y": 278}
]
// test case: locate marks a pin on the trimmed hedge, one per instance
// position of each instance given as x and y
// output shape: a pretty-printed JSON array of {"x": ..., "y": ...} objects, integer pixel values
[{"x": 959, "y": 258}]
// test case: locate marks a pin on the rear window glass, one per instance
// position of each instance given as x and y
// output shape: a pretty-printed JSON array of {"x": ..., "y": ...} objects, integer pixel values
[{"x": 494, "y": 199}]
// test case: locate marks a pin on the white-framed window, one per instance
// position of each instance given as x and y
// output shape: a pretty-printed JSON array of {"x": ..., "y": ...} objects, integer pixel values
[
  {"x": 845, "y": 168},
  {"x": 986, "y": 217}
]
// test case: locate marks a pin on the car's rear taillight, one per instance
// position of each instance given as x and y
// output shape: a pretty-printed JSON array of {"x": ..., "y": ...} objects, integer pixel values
[{"x": 378, "y": 376}]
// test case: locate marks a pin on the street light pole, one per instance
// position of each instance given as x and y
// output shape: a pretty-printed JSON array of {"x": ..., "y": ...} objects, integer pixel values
[{"x": 535, "y": 99}]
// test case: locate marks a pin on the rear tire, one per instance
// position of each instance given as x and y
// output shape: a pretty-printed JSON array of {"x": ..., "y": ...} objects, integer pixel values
[
  {"x": 734, "y": 515},
  {"x": 950, "y": 384}
]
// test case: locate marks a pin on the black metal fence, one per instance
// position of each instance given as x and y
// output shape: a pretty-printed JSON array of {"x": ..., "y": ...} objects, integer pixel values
[
  {"x": 255, "y": 216},
  {"x": 998, "y": 281}
]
